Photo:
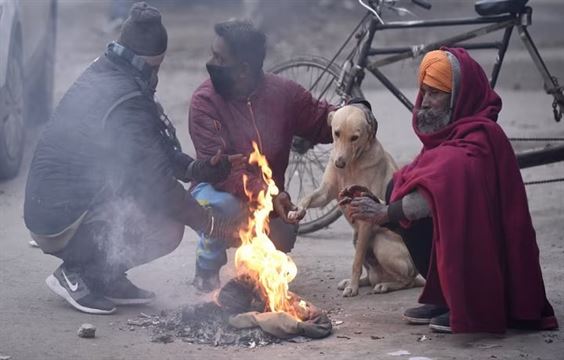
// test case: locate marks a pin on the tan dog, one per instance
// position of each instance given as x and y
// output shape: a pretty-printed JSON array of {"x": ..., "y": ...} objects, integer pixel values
[{"x": 358, "y": 158}]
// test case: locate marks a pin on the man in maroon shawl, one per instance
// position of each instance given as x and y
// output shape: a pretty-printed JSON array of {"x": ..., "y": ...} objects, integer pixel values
[{"x": 462, "y": 208}]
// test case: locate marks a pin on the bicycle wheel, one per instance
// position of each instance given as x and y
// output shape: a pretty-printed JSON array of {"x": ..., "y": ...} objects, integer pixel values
[{"x": 307, "y": 161}]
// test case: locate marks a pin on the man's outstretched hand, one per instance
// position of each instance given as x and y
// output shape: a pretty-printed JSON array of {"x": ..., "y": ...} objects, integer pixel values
[
  {"x": 215, "y": 169},
  {"x": 284, "y": 207}
]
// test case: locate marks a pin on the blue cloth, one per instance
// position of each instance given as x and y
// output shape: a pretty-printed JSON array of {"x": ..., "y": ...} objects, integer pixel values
[{"x": 211, "y": 254}]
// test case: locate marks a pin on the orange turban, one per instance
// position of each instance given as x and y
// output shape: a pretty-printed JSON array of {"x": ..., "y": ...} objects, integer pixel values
[{"x": 436, "y": 71}]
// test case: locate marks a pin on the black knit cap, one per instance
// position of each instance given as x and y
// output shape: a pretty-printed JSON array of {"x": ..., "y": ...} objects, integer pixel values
[{"x": 143, "y": 32}]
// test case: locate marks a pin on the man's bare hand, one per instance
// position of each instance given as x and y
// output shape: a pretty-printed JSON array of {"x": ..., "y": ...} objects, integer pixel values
[
  {"x": 295, "y": 216},
  {"x": 365, "y": 208},
  {"x": 283, "y": 206}
]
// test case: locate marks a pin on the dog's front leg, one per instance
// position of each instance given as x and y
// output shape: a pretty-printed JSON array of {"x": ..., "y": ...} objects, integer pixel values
[
  {"x": 364, "y": 235},
  {"x": 320, "y": 197}
]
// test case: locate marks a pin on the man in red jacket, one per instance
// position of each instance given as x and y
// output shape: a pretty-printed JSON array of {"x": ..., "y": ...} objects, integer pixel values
[
  {"x": 463, "y": 209},
  {"x": 240, "y": 104}
]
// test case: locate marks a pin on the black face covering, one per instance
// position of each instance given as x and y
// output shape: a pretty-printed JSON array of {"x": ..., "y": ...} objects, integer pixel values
[{"x": 221, "y": 78}]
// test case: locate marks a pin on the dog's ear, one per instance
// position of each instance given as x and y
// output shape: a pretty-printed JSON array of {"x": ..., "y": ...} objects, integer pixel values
[{"x": 330, "y": 117}]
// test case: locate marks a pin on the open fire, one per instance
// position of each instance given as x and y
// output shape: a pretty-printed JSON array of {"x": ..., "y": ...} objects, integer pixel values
[
  {"x": 257, "y": 258},
  {"x": 255, "y": 308}
]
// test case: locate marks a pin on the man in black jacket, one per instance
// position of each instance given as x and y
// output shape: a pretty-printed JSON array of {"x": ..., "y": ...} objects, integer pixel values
[{"x": 103, "y": 192}]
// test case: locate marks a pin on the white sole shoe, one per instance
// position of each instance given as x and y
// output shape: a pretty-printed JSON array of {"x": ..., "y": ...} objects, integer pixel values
[
  {"x": 416, "y": 321},
  {"x": 441, "y": 328},
  {"x": 130, "y": 301},
  {"x": 54, "y": 285}
]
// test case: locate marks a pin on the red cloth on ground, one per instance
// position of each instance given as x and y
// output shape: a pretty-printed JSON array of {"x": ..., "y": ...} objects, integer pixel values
[{"x": 485, "y": 260}]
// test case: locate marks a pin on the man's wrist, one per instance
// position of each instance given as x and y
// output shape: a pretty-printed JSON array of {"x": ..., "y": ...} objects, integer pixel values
[
  {"x": 190, "y": 170},
  {"x": 395, "y": 212},
  {"x": 283, "y": 193},
  {"x": 385, "y": 217},
  {"x": 278, "y": 208}
]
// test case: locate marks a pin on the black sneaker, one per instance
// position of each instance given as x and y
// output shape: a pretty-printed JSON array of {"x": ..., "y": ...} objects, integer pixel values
[
  {"x": 122, "y": 292},
  {"x": 71, "y": 286},
  {"x": 441, "y": 323},
  {"x": 206, "y": 280},
  {"x": 423, "y": 314}
]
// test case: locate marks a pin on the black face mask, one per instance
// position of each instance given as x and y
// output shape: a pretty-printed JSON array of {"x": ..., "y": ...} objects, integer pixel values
[{"x": 221, "y": 78}]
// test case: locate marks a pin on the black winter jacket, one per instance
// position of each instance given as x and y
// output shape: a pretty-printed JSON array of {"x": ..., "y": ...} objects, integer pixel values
[{"x": 105, "y": 140}]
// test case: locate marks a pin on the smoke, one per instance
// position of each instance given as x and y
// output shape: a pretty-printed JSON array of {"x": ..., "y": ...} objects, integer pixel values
[
  {"x": 127, "y": 220},
  {"x": 126, "y": 235}
]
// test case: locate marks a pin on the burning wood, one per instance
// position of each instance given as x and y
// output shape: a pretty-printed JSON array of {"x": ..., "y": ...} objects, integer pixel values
[{"x": 241, "y": 295}]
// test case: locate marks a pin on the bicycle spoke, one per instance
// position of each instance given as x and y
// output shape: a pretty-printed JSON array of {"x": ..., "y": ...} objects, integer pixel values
[
  {"x": 321, "y": 85},
  {"x": 297, "y": 162},
  {"x": 311, "y": 87},
  {"x": 301, "y": 177},
  {"x": 305, "y": 171},
  {"x": 321, "y": 164},
  {"x": 313, "y": 177},
  {"x": 325, "y": 90}
]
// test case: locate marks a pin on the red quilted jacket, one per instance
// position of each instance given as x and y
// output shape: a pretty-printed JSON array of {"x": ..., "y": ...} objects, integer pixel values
[{"x": 276, "y": 111}]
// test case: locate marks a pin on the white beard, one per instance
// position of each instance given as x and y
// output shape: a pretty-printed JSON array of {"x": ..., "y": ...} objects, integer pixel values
[{"x": 430, "y": 121}]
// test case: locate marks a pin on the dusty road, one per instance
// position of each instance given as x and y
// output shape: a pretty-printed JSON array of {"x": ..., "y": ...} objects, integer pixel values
[{"x": 35, "y": 324}]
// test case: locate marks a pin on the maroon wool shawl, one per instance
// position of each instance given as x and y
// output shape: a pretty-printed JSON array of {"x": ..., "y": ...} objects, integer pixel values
[{"x": 484, "y": 260}]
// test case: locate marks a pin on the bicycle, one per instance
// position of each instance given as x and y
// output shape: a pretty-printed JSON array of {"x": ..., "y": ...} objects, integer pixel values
[{"x": 337, "y": 84}]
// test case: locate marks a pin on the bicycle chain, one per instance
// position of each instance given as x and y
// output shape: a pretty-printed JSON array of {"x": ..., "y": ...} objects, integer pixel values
[{"x": 555, "y": 110}]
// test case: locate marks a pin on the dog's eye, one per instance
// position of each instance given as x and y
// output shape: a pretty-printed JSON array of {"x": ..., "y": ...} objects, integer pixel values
[
  {"x": 337, "y": 133},
  {"x": 354, "y": 138}
]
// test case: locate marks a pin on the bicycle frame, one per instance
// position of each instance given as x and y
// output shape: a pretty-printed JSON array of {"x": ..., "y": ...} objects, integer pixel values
[{"x": 520, "y": 21}]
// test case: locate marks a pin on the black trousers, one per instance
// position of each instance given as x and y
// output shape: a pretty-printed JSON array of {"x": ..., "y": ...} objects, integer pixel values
[
  {"x": 418, "y": 238},
  {"x": 118, "y": 236}
]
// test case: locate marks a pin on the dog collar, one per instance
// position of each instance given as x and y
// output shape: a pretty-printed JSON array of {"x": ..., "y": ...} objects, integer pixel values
[{"x": 364, "y": 105}]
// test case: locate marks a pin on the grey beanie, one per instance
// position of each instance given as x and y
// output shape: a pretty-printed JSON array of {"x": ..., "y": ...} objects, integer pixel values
[{"x": 143, "y": 32}]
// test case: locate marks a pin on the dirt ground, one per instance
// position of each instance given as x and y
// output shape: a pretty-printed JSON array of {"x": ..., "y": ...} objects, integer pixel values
[{"x": 35, "y": 324}]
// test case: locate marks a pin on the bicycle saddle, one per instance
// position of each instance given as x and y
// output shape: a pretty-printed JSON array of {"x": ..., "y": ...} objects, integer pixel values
[{"x": 497, "y": 7}]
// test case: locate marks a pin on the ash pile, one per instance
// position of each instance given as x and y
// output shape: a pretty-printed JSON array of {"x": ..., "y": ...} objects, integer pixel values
[{"x": 238, "y": 318}]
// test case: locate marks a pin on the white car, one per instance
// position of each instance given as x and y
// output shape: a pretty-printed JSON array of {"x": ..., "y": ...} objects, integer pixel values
[{"x": 27, "y": 53}]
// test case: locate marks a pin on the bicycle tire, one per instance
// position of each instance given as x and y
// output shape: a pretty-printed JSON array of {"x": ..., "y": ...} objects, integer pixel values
[{"x": 328, "y": 91}]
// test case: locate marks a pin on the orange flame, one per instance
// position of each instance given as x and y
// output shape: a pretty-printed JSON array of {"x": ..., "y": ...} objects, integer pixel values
[{"x": 257, "y": 256}]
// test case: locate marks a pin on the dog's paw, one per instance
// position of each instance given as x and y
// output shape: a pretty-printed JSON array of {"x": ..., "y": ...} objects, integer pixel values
[
  {"x": 296, "y": 215},
  {"x": 343, "y": 284},
  {"x": 381, "y": 288},
  {"x": 350, "y": 291}
]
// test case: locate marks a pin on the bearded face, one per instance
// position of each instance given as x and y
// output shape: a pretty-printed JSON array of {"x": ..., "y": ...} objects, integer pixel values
[
  {"x": 432, "y": 120},
  {"x": 434, "y": 113}
]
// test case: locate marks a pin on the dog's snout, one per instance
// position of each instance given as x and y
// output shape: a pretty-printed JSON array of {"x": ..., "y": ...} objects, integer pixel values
[{"x": 340, "y": 163}]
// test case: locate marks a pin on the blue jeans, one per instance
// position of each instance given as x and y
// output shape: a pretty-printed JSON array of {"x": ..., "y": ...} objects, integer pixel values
[{"x": 211, "y": 254}]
